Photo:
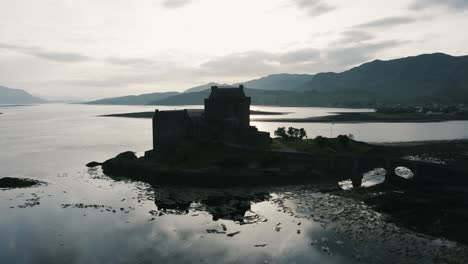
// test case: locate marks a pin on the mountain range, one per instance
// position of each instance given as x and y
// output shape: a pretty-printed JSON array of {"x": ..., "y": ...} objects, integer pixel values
[
  {"x": 17, "y": 96},
  {"x": 427, "y": 78},
  {"x": 142, "y": 99},
  {"x": 281, "y": 81},
  {"x": 435, "y": 74}
]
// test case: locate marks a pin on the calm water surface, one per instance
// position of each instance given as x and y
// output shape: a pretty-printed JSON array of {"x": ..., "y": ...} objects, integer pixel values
[
  {"x": 369, "y": 132},
  {"x": 81, "y": 216}
]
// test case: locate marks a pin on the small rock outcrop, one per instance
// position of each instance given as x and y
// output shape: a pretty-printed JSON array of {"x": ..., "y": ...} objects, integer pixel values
[
  {"x": 8, "y": 182},
  {"x": 121, "y": 164},
  {"x": 93, "y": 164}
]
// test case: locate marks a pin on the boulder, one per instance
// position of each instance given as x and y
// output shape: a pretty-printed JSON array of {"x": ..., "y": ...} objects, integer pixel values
[
  {"x": 17, "y": 183},
  {"x": 122, "y": 164},
  {"x": 93, "y": 164}
]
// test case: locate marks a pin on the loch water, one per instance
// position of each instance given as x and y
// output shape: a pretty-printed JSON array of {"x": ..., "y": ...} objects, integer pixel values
[{"x": 81, "y": 216}]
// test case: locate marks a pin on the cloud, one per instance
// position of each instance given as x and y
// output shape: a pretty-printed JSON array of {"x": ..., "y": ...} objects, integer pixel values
[
  {"x": 238, "y": 64},
  {"x": 173, "y": 4},
  {"x": 132, "y": 62},
  {"x": 299, "y": 56},
  {"x": 353, "y": 36},
  {"x": 314, "y": 8},
  {"x": 387, "y": 22},
  {"x": 116, "y": 80},
  {"x": 48, "y": 55},
  {"x": 136, "y": 71},
  {"x": 454, "y": 5},
  {"x": 143, "y": 73},
  {"x": 333, "y": 58},
  {"x": 340, "y": 58}
]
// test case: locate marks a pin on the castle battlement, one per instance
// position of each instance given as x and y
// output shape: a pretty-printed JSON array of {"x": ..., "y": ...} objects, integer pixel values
[{"x": 226, "y": 118}]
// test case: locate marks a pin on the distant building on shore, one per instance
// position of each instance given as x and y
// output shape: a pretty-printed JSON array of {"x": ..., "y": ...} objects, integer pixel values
[{"x": 226, "y": 119}]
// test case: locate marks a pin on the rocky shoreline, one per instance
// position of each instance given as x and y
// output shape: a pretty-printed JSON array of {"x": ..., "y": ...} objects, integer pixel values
[
  {"x": 10, "y": 183},
  {"x": 439, "y": 211},
  {"x": 223, "y": 174},
  {"x": 437, "y": 208}
]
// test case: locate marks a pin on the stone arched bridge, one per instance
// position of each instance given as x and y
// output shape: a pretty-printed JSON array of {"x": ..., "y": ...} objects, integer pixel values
[
  {"x": 355, "y": 166},
  {"x": 423, "y": 172}
]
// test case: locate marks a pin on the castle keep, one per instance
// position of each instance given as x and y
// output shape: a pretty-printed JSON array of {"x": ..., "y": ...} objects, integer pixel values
[{"x": 226, "y": 118}]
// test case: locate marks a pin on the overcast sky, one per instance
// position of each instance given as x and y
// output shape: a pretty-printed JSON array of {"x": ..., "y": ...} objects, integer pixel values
[{"x": 85, "y": 49}]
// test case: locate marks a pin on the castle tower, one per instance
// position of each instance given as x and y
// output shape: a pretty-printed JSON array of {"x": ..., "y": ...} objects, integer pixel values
[{"x": 228, "y": 106}]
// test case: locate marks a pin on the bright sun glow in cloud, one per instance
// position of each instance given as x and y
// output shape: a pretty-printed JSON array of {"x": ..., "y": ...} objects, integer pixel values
[{"x": 89, "y": 49}]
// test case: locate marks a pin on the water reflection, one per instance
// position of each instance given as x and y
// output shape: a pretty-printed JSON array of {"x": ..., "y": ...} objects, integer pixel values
[
  {"x": 231, "y": 204},
  {"x": 149, "y": 229},
  {"x": 128, "y": 222}
]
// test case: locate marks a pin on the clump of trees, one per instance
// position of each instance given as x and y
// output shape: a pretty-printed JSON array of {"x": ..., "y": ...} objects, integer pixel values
[
  {"x": 321, "y": 141},
  {"x": 291, "y": 133},
  {"x": 342, "y": 141}
]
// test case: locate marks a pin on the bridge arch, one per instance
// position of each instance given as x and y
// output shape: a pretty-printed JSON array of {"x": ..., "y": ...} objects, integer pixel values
[
  {"x": 404, "y": 172},
  {"x": 401, "y": 169},
  {"x": 373, "y": 177}
]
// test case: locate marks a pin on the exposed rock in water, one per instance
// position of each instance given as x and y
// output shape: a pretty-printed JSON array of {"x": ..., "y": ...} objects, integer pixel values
[
  {"x": 233, "y": 234},
  {"x": 128, "y": 155},
  {"x": 121, "y": 164},
  {"x": 93, "y": 164},
  {"x": 260, "y": 245},
  {"x": 17, "y": 183}
]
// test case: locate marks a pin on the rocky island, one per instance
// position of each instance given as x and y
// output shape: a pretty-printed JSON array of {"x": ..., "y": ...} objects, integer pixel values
[{"x": 217, "y": 147}]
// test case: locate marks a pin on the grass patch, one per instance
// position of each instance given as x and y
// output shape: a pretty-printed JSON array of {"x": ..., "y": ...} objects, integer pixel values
[{"x": 338, "y": 145}]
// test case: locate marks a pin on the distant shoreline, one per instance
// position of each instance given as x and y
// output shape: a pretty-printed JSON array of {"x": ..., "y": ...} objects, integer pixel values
[
  {"x": 192, "y": 111},
  {"x": 370, "y": 117},
  {"x": 16, "y": 105},
  {"x": 360, "y": 117}
]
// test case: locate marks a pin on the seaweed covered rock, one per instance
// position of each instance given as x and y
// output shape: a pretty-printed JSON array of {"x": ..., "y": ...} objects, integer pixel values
[
  {"x": 8, "y": 182},
  {"x": 93, "y": 164},
  {"x": 122, "y": 164},
  {"x": 127, "y": 155}
]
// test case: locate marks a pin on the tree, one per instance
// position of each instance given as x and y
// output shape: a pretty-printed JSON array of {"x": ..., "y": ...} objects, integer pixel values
[
  {"x": 281, "y": 132},
  {"x": 343, "y": 140},
  {"x": 291, "y": 133},
  {"x": 320, "y": 141},
  {"x": 302, "y": 133}
]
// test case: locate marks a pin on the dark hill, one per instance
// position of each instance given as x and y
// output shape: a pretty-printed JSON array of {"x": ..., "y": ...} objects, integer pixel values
[
  {"x": 142, "y": 99},
  {"x": 431, "y": 76},
  {"x": 203, "y": 87},
  {"x": 279, "y": 98},
  {"x": 17, "y": 96},
  {"x": 281, "y": 81},
  {"x": 423, "y": 79}
]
